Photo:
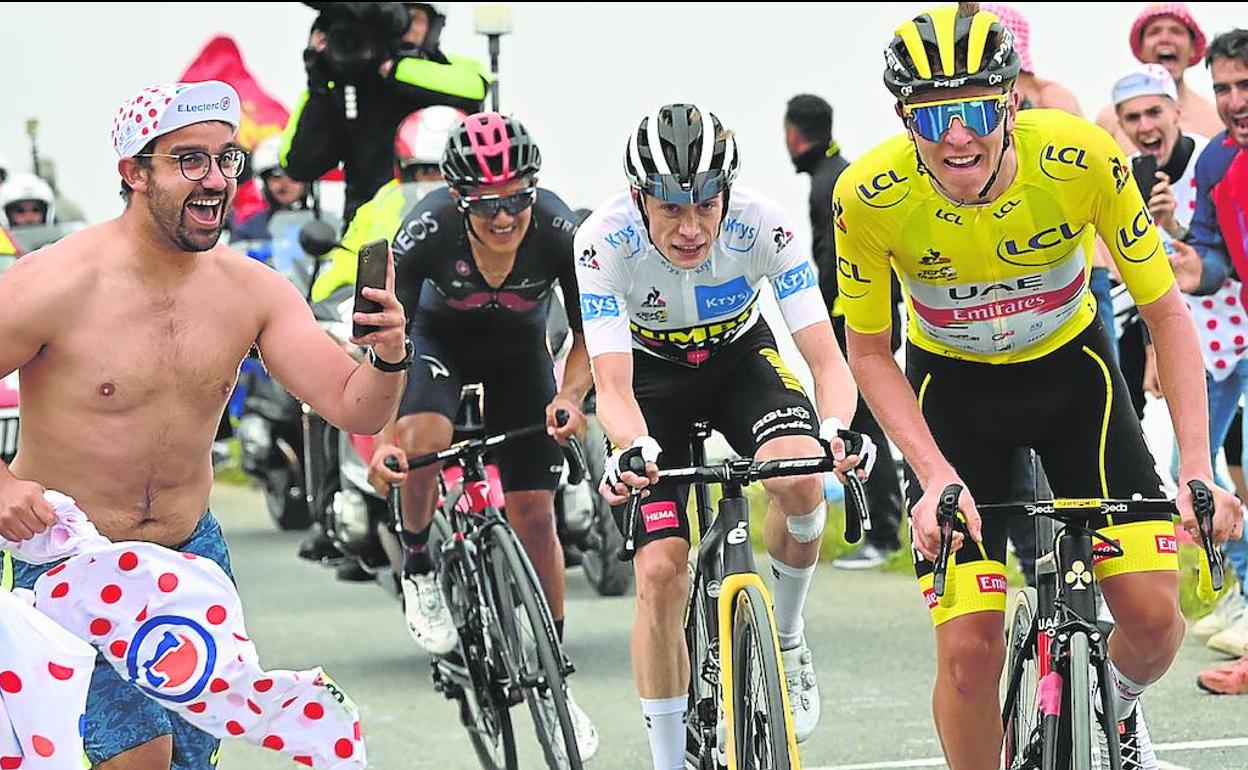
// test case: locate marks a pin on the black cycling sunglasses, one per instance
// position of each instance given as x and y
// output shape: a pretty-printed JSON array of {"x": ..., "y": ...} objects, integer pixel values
[{"x": 488, "y": 206}]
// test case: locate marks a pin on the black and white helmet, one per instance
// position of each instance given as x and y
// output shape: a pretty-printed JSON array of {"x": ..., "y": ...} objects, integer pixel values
[{"x": 681, "y": 154}]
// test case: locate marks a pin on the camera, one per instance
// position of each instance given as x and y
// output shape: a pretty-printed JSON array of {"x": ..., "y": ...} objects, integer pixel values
[{"x": 360, "y": 36}]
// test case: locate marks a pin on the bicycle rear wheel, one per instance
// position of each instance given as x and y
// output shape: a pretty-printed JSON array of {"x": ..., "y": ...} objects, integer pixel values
[
  {"x": 760, "y": 711},
  {"x": 483, "y": 707},
  {"x": 529, "y": 635},
  {"x": 1021, "y": 718}
]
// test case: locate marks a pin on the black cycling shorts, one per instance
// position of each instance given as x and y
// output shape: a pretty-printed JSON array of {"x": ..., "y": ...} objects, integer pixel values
[
  {"x": 745, "y": 391},
  {"x": 518, "y": 385},
  {"x": 1073, "y": 409}
]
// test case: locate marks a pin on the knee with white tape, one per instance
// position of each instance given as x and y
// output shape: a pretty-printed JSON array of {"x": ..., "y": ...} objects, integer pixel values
[{"x": 807, "y": 527}]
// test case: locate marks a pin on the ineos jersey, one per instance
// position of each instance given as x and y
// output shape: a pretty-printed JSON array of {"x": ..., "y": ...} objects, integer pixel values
[
  {"x": 438, "y": 283},
  {"x": 632, "y": 297}
]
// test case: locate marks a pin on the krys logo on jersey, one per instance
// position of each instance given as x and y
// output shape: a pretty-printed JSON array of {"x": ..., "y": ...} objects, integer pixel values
[
  {"x": 795, "y": 280},
  {"x": 171, "y": 658},
  {"x": 722, "y": 299},
  {"x": 626, "y": 240},
  {"x": 594, "y": 306},
  {"x": 739, "y": 236}
]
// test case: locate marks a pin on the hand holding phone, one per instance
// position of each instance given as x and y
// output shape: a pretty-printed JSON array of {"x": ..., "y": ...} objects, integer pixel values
[
  {"x": 1144, "y": 169},
  {"x": 371, "y": 267}
]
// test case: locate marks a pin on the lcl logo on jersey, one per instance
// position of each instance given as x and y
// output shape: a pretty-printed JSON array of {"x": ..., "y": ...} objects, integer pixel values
[
  {"x": 171, "y": 658},
  {"x": 849, "y": 270},
  {"x": 1130, "y": 243},
  {"x": 1041, "y": 245},
  {"x": 1063, "y": 164},
  {"x": 882, "y": 191}
]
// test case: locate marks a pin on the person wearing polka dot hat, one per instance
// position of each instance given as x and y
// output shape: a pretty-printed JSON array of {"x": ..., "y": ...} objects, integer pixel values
[
  {"x": 123, "y": 386},
  {"x": 1168, "y": 34}
]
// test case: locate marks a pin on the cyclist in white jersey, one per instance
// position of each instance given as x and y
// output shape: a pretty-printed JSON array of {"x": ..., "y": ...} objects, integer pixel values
[{"x": 670, "y": 274}]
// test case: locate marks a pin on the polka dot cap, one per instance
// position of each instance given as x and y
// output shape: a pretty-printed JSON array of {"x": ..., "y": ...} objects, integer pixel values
[{"x": 159, "y": 110}]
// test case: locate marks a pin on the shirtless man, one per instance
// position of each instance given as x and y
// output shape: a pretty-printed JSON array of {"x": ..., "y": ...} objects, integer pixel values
[
  {"x": 128, "y": 337},
  {"x": 1167, "y": 34}
]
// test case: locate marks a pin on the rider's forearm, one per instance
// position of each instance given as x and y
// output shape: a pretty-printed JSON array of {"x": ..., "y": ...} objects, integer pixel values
[
  {"x": 621, "y": 418},
  {"x": 1182, "y": 374},
  {"x": 577, "y": 379},
  {"x": 836, "y": 395},
  {"x": 893, "y": 403},
  {"x": 370, "y": 398}
]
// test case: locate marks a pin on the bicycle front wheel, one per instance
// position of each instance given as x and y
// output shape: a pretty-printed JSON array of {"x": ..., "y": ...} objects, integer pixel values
[
  {"x": 1021, "y": 717},
  {"x": 759, "y": 708},
  {"x": 483, "y": 707},
  {"x": 528, "y": 632},
  {"x": 1084, "y": 746}
]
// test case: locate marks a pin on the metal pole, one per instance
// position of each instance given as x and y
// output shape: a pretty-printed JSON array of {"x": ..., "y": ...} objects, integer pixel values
[{"x": 494, "y": 47}]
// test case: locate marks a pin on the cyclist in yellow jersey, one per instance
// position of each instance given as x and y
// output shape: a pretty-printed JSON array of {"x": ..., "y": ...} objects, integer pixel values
[{"x": 988, "y": 217}]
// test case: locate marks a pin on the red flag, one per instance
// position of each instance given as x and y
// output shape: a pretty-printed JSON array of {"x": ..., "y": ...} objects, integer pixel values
[{"x": 263, "y": 116}]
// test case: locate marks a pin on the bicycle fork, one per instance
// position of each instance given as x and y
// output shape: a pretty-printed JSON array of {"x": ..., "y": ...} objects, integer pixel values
[{"x": 739, "y": 572}]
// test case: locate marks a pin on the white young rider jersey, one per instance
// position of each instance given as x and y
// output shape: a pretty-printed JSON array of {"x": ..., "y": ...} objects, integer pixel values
[{"x": 632, "y": 297}]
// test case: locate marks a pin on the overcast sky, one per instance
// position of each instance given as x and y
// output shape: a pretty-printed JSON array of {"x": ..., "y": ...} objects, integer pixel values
[{"x": 578, "y": 74}]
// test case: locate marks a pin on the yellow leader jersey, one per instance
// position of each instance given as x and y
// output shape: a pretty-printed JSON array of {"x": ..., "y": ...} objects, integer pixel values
[{"x": 1005, "y": 281}]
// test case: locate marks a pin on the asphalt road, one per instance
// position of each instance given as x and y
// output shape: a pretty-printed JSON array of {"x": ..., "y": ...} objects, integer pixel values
[{"x": 870, "y": 635}]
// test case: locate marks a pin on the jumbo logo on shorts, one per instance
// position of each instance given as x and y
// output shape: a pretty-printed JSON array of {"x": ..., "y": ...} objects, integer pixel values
[
  {"x": 991, "y": 584},
  {"x": 659, "y": 516},
  {"x": 171, "y": 658},
  {"x": 1167, "y": 544}
]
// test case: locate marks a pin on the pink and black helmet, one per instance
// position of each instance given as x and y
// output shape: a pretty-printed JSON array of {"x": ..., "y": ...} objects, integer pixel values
[{"x": 489, "y": 148}]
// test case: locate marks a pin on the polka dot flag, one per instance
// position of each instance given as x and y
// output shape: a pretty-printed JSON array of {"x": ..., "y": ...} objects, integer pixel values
[{"x": 172, "y": 625}]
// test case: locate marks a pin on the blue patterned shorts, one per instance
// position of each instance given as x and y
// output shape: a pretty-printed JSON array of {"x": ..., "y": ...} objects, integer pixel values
[{"x": 120, "y": 717}]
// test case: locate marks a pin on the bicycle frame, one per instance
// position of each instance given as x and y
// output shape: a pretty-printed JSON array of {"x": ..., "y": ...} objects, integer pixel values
[{"x": 725, "y": 566}]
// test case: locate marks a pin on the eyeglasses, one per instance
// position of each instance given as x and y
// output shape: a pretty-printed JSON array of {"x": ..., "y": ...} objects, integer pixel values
[
  {"x": 27, "y": 207},
  {"x": 196, "y": 164},
  {"x": 980, "y": 115},
  {"x": 488, "y": 206}
]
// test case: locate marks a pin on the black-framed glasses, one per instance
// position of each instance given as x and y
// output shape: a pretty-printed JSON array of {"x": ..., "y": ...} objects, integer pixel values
[
  {"x": 196, "y": 163},
  {"x": 488, "y": 206}
]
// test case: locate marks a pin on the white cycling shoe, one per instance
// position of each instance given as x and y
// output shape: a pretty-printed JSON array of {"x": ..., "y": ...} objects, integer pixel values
[
  {"x": 799, "y": 676},
  {"x": 428, "y": 618}
]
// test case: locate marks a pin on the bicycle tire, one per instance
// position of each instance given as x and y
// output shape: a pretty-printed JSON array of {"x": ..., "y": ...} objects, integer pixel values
[
  {"x": 760, "y": 709},
  {"x": 528, "y": 633},
  {"x": 1021, "y": 720},
  {"x": 484, "y": 711},
  {"x": 1084, "y": 751}
]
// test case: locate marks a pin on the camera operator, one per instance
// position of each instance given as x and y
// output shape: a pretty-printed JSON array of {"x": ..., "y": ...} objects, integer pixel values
[{"x": 369, "y": 66}]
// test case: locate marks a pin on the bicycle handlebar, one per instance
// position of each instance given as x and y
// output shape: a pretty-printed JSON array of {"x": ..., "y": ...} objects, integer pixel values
[
  {"x": 1077, "y": 512},
  {"x": 746, "y": 471},
  {"x": 477, "y": 446}
]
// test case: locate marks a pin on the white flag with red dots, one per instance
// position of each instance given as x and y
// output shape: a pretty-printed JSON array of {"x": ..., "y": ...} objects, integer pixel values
[
  {"x": 44, "y": 673},
  {"x": 171, "y": 624}
]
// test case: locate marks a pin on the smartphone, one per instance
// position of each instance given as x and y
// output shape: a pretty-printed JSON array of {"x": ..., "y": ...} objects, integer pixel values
[
  {"x": 370, "y": 270},
  {"x": 1144, "y": 169}
]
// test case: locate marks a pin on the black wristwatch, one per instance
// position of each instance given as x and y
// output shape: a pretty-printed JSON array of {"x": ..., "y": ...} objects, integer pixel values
[{"x": 409, "y": 352}]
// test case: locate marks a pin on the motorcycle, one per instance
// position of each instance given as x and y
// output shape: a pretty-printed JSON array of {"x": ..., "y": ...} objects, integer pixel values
[{"x": 268, "y": 420}]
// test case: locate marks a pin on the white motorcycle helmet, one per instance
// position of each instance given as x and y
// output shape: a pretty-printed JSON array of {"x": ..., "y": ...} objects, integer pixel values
[
  {"x": 5, "y": 168},
  {"x": 420, "y": 141},
  {"x": 22, "y": 187},
  {"x": 265, "y": 157}
]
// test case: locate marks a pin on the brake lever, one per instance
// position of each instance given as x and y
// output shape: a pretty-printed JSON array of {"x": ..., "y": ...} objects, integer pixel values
[
  {"x": 1203, "y": 507},
  {"x": 947, "y": 517},
  {"x": 572, "y": 452}
]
